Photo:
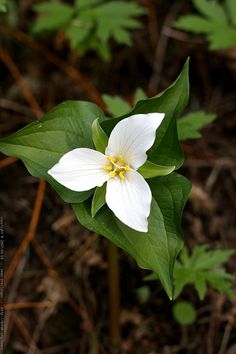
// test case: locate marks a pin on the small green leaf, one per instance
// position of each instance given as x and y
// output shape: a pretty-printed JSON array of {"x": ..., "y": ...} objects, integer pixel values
[
  {"x": 98, "y": 199},
  {"x": 195, "y": 24},
  {"x": 189, "y": 125},
  {"x": 53, "y": 16},
  {"x": 184, "y": 313},
  {"x": 143, "y": 294},
  {"x": 116, "y": 105},
  {"x": 150, "y": 170},
  {"x": 231, "y": 10},
  {"x": 200, "y": 285},
  {"x": 99, "y": 137},
  {"x": 212, "y": 10},
  {"x": 222, "y": 38},
  {"x": 139, "y": 95},
  {"x": 3, "y": 5}
]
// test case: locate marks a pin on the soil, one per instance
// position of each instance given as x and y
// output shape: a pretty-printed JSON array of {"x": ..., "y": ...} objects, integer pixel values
[{"x": 63, "y": 274}]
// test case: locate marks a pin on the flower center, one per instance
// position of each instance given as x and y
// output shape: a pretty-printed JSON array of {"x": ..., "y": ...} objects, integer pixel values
[{"x": 117, "y": 167}]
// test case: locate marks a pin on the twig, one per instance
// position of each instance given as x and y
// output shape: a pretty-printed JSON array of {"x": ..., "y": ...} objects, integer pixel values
[
  {"x": 7, "y": 60},
  {"x": 11, "y": 298},
  {"x": 7, "y": 161},
  {"x": 25, "y": 333},
  {"x": 162, "y": 47},
  {"x": 27, "y": 305},
  {"x": 70, "y": 70},
  {"x": 114, "y": 295},
  {"x": 30, "y": 232}
]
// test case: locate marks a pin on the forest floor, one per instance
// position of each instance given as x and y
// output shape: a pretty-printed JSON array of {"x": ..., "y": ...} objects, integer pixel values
[{"x": 59, "y": 277}]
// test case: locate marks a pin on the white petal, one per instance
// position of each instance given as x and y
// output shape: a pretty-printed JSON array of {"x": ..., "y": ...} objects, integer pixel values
[
  {"x": 130, "y": 200},
  {"x": 133, "y": 136},
  {"x": 80, "y": 169}
]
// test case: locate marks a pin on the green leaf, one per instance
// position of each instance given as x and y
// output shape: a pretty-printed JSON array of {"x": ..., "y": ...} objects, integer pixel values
[
  {"x": 189, "y": 125},
  {"x": 182, "y": 277},
  {"x": 143, "y": 294},
  {"x": 77, "y": 32},
  {"x": 99, "y": 137},
  {"x": 157, "y": 249},
  {"x": 98, "y": 199},
  {"x": 195, "y": 24},
  {"x": 221, "y": 281},
  {"x": 230, "y": 6},
  {"x": 116, "y": 105},
  {"x": 108, "y": 25},
  {"x": 86, "y": 3},
  {"x": 42, "y": 143},
  {"x": 3, "y": 5},
  {"x": 139, "y": 95},
  {"x": 150, "y": 170},
  {"x": 184, "y": 313},
  {"x": 210, "y": 259},
  {"x": 200, "y": 285},
  {"x": 166, "y": 149},
  {"x": 211, "y": 9},
  {"x": 53, "y": 16},
  {"x": 222, "y": 38}
]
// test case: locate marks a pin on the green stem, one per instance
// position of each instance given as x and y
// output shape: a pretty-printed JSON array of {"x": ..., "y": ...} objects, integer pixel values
[{"x": 114, "y": 295}]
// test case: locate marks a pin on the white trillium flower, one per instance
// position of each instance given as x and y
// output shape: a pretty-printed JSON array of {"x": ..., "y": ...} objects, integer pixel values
[{"x": 128, "y": 195}]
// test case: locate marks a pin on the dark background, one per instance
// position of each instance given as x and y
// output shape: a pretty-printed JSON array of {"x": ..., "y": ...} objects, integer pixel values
[{"x": 65, "y": 270}]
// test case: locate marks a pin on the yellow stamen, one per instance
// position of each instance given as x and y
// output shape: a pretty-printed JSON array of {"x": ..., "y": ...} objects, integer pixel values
[
  {"x": 120, "y": 158},
  {"x": 108, "y": 168},
  {"x": 111, "y": 158},
  {"x": 112, "y": 174},
  {"x": 121, "y": 175},
  {"x": 127, "y": 168}
]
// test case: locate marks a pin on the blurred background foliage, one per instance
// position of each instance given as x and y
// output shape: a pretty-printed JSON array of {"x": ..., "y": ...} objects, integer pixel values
[{"x": 116, "y": 53}]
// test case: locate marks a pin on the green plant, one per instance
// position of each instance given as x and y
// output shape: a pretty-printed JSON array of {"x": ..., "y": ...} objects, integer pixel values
[
  {"x": 82, "y": 125},
  {"x": 3, "y": 5},
  {"x": 184, "y": 313},
  {"x": 188, "y": 126},
  {"x": 201, "y": 268},
  {"x": 216, "y": 20},
  {"x": 89, "y": 24}
]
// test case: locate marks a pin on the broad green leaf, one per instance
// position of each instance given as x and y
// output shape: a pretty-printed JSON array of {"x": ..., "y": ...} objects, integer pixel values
[
  {"x": 230, "y": 6},
  {"x": 189, "y": 125},
  {"x": 211, "y": 9},
  {"x": 116, "y": 105},
  {"x": 184, "y": 313},
  {"x": 157, "y": 249},
  {"x": 195, "y": 24},
  {"x": 99, "y": 137},
  {"x": 42, "y": 143},
  {"x": 222, "y": 38},
  {"x": 150, "y": 170},
  {"x": 166, "y": 149},
  {"x": 98, "y": 199},
  {"x": 53, "y": 16}
]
